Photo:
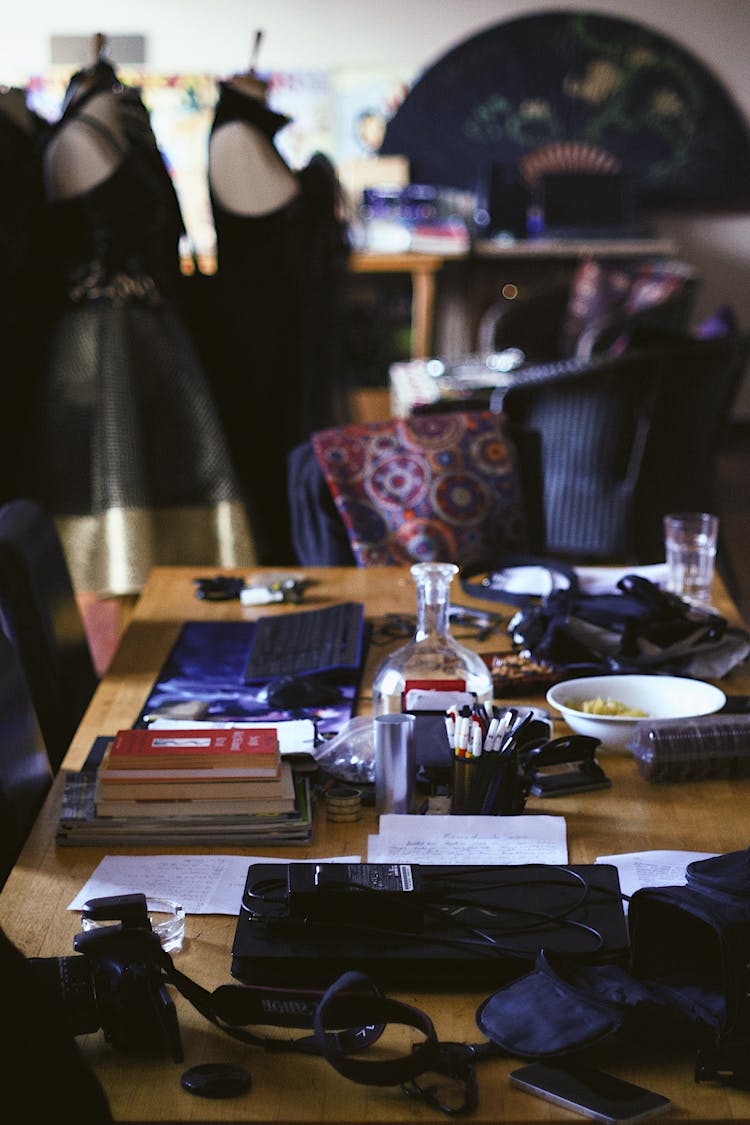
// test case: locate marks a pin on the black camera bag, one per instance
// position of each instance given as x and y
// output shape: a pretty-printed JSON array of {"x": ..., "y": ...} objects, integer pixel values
[{"x": 687, "y": 980}]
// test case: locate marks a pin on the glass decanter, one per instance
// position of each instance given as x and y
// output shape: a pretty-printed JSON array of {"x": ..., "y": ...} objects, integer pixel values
[{"x": 433, "y": 658}]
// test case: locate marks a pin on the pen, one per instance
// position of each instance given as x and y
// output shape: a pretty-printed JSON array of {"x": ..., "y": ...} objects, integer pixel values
[
  {"x": 477, "y": 735},
  {"x": 504, "y": 726},
  {"x": 489, "y": 741},
  {"x": 512, "y": 735},
  {"x": 450, "y": 726},
  {"x": 463, "y": 725},
  {"x": 481, "y": 716}
]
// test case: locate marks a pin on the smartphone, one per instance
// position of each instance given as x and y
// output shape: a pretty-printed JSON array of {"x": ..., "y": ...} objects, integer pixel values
[{"x": 589, "y": 1092}]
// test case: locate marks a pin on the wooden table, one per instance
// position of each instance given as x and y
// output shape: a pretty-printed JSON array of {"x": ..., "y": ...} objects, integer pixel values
[{"x": 632, "y": 816}]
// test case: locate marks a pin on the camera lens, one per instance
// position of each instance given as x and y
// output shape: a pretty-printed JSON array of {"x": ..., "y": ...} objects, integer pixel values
[{"x": 69, "y": 985}]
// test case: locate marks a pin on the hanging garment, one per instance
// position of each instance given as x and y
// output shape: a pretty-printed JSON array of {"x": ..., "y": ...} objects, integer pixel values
[
  {"x": 133, "y": 461},
  {"x": 24, "y": 290},
  {"x": 276, "y": 367}
]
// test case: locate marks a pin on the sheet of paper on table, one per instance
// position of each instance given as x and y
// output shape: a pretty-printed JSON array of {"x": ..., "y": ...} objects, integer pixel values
[
  {"x": 652, "y": 869},
  {"x": 469, "y": 840},
  {"x": 202, "y": 884}
]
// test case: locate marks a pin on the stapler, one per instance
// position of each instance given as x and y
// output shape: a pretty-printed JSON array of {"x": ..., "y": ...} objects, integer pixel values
[{"x": 562, "y": 766}]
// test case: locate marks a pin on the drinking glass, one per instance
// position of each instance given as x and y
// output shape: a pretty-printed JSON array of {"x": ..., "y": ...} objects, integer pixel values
[{"x": 690, "y": 549}]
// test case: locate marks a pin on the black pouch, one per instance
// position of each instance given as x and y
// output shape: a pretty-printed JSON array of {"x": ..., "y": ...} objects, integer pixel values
[{"x": 687, "y": 981}]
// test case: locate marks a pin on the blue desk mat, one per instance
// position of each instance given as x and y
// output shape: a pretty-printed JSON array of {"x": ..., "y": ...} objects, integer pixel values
[{"x": 206, "y": 667}]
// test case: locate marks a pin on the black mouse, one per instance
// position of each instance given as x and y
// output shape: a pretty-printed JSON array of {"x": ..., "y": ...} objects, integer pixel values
[{"x": 287, "y": 693}]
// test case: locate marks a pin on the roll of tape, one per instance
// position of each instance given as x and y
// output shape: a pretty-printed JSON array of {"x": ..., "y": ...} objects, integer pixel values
[{"x": 343, "y": 804}]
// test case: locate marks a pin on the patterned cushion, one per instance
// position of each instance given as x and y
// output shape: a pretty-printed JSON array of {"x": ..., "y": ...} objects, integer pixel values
[{"x": 441, "y": 487}]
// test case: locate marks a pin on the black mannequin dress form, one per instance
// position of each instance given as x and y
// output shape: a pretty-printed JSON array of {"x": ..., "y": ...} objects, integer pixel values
[
  {"x": 281, "y": 253},
  {"x": 133, "y": 460}
]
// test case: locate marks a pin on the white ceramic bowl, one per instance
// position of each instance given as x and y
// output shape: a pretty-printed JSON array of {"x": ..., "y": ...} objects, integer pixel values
[{"x": 661, "y": 697}]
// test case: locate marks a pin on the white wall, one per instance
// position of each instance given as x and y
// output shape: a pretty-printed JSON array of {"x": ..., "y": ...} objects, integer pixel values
[{"x": 216, "y": 37}]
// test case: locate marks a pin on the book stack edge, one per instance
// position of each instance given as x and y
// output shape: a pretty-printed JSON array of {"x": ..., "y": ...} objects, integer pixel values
[{"x": 212, "y": 794}]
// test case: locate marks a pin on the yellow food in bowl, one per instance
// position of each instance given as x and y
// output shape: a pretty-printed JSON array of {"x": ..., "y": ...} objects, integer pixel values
[{"x": 607, "y": 706}]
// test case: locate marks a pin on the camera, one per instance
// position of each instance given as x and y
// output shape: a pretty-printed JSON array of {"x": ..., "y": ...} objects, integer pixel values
[{"x": 117, "y": 982}]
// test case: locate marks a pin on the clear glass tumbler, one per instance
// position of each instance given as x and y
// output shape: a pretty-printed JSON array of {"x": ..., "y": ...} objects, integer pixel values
[{"x": 690, "y": 550}]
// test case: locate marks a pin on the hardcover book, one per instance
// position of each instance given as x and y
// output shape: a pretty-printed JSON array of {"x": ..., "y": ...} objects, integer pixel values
[
  {"x": 224, "y": 796},
  {"x": 210, "y": 748},
  {"x": 79, "y": 824}
]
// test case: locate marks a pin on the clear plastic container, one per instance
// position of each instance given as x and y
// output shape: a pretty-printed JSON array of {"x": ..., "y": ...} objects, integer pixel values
[
  {"x": 432, "y": 658},
  {"x": 709, "y": 746}
]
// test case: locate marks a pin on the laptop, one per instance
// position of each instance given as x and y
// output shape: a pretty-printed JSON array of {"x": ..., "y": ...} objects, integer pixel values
[
  {"x": 580, "y": 205},
  {"x": 433, "y": 941}
]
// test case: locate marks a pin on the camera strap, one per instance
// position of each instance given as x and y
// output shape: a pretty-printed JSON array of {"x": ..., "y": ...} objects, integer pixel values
[
  {"x": 345, "y": 1020},
  {"x": 233, "y": 1008},
  {"x": 489, "y": 579}
]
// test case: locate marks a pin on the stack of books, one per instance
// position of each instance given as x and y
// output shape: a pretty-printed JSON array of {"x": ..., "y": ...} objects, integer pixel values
[{"x": 222, "y": 785}]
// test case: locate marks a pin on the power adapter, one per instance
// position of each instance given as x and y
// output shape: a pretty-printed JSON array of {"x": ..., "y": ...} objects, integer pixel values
[{"x": 387, "y": 895}]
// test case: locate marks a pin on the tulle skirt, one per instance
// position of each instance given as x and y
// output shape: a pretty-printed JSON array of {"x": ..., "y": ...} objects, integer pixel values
[{"x": 132, "y": 459}]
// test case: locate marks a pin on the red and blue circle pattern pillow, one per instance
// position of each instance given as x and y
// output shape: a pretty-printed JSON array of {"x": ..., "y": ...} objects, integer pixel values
[{"x": 432, "y": 487}]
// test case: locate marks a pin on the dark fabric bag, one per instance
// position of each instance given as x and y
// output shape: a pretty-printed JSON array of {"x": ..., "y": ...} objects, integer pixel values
[
  {"x": 641, "y": 628},
  {"x": 686, "y": 982}
]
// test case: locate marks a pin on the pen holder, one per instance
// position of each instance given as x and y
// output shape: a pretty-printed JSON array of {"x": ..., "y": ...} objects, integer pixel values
[
  {"x": 464, "y": 776},
  {"x": 395, "y": 762}
]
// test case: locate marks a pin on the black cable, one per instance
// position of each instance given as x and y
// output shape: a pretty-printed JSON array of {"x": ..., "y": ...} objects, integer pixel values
[
  {"x": 490, "y": 949},
  {"x": 596, "y": 934},
  {"x": 535, "y": 920}
]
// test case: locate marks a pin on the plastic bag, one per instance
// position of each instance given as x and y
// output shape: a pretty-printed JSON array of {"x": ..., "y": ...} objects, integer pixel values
[{"x": 350, "y": 755}]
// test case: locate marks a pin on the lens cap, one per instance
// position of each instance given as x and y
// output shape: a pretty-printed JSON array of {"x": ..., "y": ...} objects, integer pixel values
[{"x": 217, "y": 1080}]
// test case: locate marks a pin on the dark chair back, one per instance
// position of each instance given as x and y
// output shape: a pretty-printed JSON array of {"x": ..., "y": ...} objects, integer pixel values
[
  {"x": 698, "y": 384},
  {"x": 25, "y": 773},
  {"x": 625, "y": 440},
  {"x": 40, "y": 615}
]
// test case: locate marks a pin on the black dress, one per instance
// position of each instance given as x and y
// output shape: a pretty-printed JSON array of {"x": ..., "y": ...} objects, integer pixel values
[
  {"x": 133, "y": 461},
  {"x": 24, "y": 296},
  {"x": 277, "y": 364}
]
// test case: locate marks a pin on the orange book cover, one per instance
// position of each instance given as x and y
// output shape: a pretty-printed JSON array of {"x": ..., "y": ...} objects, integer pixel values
[{"x": 209, "y": 748}]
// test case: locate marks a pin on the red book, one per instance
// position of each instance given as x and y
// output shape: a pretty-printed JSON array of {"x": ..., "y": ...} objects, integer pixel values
[{"x": 254, "y": 748}]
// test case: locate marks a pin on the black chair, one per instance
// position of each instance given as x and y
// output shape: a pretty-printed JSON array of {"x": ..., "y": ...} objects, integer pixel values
[
  {"x": 319, "y": 537},
  {"x": 40, "y": 615},
  {"x": 25, "y": 773},
  {"x": 625, "y": 440}
]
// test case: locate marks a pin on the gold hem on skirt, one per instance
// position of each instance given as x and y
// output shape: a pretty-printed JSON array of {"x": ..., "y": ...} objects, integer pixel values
[{"x": 112, "y": 553}]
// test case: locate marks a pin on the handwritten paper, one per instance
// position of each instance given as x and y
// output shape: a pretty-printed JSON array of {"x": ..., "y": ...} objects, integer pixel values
[
  {"x": 652, "y": 869},
  {"x": 202, "y": 884},
  {"x": 469, "y": 840}
]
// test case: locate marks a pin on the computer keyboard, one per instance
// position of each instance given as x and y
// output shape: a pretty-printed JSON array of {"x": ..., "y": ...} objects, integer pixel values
[{"x": 312, "y": 640}]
